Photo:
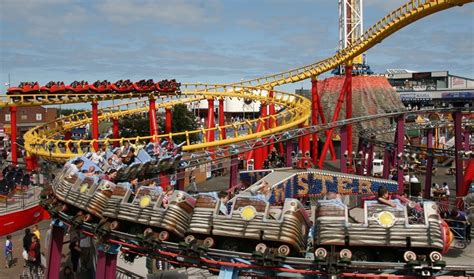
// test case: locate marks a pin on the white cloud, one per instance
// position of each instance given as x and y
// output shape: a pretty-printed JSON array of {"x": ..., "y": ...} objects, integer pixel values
[{"x": 163, "y": 11}]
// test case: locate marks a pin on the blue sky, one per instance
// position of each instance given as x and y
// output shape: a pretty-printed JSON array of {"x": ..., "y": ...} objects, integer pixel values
[{"x": 213, "y": 41}]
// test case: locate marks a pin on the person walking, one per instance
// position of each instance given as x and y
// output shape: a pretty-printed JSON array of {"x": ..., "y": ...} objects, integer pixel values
[
  {"x": 8, "y": 252},
  {"x": 34, "y": 256}
]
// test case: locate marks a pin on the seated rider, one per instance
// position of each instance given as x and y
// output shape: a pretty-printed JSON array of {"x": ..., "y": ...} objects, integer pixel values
[
  {"x": 224, "y": 198},
  {"x": 383, "y": 197}
]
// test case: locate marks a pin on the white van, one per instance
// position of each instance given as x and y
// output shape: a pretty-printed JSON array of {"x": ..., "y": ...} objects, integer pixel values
[{"x": 377, "y": 167}]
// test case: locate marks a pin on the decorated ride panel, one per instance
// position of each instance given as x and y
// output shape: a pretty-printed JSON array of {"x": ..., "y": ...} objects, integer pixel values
[
  {"x": 318, "y": 183},
  {"x": 382, "y": 226}
]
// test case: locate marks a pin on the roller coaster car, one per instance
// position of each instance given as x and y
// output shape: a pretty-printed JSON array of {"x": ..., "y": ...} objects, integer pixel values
[
  {"x": 147, "y": 215},
  {"x": 263, "y": 226},
  {"x": 24, "y": 88},
  {"x": 78, "y": 87},
  {"x": 122, "y": 86},
  {"x": 53, "y": 87},
  {"x": 100, "y": 86},
  {"x": 382, "y": 226},
  {"x": 167, "y": 86},
  {"x": 144, "y": 85}
]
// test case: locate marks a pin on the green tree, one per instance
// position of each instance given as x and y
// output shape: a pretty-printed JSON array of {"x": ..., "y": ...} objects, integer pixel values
[
  {"x": 134, "y": 125},
  {"x": 182, "y": 120}
]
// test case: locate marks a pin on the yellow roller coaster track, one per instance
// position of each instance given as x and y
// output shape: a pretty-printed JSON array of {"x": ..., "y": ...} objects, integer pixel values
[{"x": 42, "y": 141}]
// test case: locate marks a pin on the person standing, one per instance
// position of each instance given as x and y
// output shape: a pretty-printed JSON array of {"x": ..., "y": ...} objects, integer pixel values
[
  {"x": 36, "y": 231},
  {"x": 75, "y": 250},
  {"x": 8, "y": 252},
  {"x": 34, "y": 256},
  {"x": 26, "y": 245}
]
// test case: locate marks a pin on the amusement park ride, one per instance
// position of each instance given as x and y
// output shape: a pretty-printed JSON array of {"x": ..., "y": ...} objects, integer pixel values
[{"x": 189, "y": 230}]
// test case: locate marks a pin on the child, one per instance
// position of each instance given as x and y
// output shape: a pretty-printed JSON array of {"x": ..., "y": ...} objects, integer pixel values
[
  {"x": 8, "y": 252},
  {"x": 383, "y": 197}
]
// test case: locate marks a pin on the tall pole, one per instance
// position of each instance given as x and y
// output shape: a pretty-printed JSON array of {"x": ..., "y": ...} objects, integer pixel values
[
  {"x": 115, "y": 130},
  {"x": 95, "y": 125},
  {"x": 271, "y": 112},
  {"x": 222, "y": 118},
  {"x": 152, "y": 119},
  {"x": 314, "y": 116},
  {"x": 457, "y": 149},
  {"x": 211, "y": 124},
  {"x": 13, "y": 135},
  {"x": 349, "y": 112},
  {"x": 54, "y": 255},
  {"x": 429, "y": 163},
  {"x": 168, "y": 119},
  {"x": 400, "y": 147}
]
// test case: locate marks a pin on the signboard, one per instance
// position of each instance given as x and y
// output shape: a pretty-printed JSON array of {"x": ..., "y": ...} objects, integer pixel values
[
  {"x": 422, "y": 75},
  {"x": 319, "y": 183}
]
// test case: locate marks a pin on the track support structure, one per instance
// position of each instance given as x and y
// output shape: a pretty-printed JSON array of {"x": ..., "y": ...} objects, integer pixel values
[{"x": 13, "y": 135}]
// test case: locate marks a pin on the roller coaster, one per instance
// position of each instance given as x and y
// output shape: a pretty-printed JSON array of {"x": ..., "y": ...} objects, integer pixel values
[{"x": 272, "y": 129}]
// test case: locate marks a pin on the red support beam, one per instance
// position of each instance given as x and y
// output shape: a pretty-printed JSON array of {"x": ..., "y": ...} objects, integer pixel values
[
  {"x": 110, "y": 266},
  {"x": 95, "y": 125},
  {"x": 100, "y": 265},
  {"x": 210, "y": 120},
  {"x": 152, "y": 119},
  {"x": 271, "y": 112},
  {"x": 314, "y": 116},
  {"x": 54, "y": 255},
  {"x": 13, "y": 135},
  {"x": 168, "y": 120},
  {"x": 115, "y": 130},
  {"x": 400, "y": 148},
  {"x": 258, "y": 156},
  {"x": 263, "y": 114},
  {"x": 457, "y": 157},
  {"x": 337, "y": 110},
  {"x": 323, "y": 120},
  {"x": 222, "y": 118},
  {"x": 234, "y": 171},
  {"x": 429, "y": 164},
  {"x": 349, "y": 111},
  {"x": 343, "y": 150}
]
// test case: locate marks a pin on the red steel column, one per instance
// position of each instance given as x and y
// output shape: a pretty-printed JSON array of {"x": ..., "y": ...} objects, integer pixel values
[
  {"x": 314, "y": 116},
  {"x": 115, "y": 130},
  {"x": 400, "y": 147},
  {"x": 234, "y": 171},
  {"x": 259, "y": 156},
  {"x": 222, "y": 118},
  {"x": 306, "y": 141},
  {"x": 349, "y": 111},
  {"x": 55, "y": 249},
  {"x": 429, "y": 164},
  {"x": 457, "y": 149},
  {"x": 210, "y": 120},
  {"x": 329, "y": 133},
  {"x": 263, "y": 149},
  {"x": 168, "y": 119},
  {"x": 152, "y": 118},
  {"x": 13, "y": 135},
  {"x": 95, "y": 125},
  {"x": 271, "y": 112},
  {"x": 100, "y": 265},
  {"x": 344, "y": 155},
  {"x": 386, "y": 163},
  {"x": 110, "y": 266}
]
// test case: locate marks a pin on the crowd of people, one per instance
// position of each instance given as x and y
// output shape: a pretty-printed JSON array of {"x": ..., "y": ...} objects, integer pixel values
[{"x": 11, "y": 177}]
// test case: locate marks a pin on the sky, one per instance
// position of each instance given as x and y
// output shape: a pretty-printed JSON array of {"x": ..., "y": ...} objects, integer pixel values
[{"x": 210, "y": 41}]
